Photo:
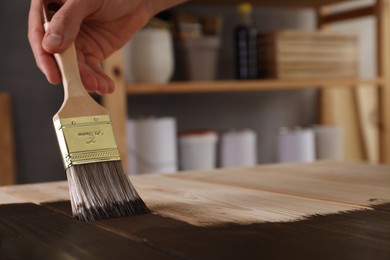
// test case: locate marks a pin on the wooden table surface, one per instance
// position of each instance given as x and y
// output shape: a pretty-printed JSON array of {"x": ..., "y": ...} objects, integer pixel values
[{"x": 325, "y": 210}]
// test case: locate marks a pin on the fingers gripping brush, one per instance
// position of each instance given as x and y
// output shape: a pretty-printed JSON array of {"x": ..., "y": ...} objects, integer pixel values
[{"x": 98, "y": 186}]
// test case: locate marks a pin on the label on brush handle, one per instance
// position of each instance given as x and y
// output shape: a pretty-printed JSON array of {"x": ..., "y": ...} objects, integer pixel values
[{"x": 86, "y": 140}]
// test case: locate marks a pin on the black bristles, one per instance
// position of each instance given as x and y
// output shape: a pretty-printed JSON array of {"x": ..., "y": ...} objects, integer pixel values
[{"x": 102, "y": 190}]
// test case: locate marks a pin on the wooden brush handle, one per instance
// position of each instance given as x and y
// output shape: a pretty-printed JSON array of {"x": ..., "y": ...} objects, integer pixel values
[
  {"x": 77, "y": 101},
  {"x": 68, "y": 65}
]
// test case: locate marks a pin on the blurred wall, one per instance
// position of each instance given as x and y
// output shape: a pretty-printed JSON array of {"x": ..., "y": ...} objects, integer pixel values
[{"x": 36, "y": 101}]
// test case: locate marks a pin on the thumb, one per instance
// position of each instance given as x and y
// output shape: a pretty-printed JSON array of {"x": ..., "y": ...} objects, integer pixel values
[{"x": 64, "y": 26}]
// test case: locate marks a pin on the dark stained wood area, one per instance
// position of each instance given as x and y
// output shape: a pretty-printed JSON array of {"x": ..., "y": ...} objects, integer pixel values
[
  {"x": 361, "y": 234},
  {"x": 324, "y": 210},
  {"x": 29, "y": 231}
]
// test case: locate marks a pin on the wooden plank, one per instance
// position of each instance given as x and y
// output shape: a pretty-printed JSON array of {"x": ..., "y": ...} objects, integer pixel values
[
  {"x": 350, "y": 184},
  {"x": 37, "y": 193},
  {"x": 203, "y": 204},
  {"x": 29, "y": 231},
  {"x": 383, "y": 49},
  {"x": 229, "y": 209},
  {"x": 116, "y": 102},
  {"x": 6, "y": 198},
  {"x": 250, "y": 85},
  {"x": 272, "y": 193},
  {"x": 7, "y": 150},
  {"x": 349, "y": 235}
]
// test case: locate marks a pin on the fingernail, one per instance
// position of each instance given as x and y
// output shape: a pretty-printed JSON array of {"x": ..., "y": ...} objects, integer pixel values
[{"x": 53, "y": 40}]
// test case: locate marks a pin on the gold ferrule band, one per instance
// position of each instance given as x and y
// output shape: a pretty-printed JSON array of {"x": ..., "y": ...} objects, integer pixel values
[{"x": 86, "y": 140}]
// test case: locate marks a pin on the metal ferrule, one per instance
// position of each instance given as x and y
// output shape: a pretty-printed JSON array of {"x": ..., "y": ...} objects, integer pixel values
[{"x": 86, "y": 140}]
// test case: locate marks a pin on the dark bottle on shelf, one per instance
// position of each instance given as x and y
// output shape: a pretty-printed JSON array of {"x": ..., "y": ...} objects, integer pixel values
[{"x": 245, "y": 44}]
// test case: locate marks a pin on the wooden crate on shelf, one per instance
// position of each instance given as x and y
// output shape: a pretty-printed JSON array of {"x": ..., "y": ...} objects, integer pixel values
[{"x": 300, "y": 54}]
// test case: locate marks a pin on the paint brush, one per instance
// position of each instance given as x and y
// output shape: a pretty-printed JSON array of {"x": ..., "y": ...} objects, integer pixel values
[{"x": 98, "y": 186}]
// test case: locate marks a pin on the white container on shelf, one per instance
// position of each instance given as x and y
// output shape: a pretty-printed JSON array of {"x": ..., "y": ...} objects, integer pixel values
[
  {"x": 329, "y": 140},
  {"x": 198, "y": 150},
  {"x": 131, "y": 135},
  {"x": 296, "y": 145},
  {"x": 156, "y": 145},
  {"x": 239, "y": 148},
  {"x": 151, "y": 56},
  {"x": 201, "y": 57}
]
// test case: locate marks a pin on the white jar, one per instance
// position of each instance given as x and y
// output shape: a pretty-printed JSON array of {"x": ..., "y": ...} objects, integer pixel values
[
  {"x": 197, "y": 150},
  {"x": 152, "y": 56}
]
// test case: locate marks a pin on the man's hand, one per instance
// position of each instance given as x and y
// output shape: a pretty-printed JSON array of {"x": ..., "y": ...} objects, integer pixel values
[{"x": 98, "y": 28}]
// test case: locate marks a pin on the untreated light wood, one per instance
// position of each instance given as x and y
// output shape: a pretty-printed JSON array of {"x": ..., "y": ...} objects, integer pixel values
[
  {"x": 205, "y": 204},
  {"x": 250, "y": 85},
  {"x": 116, "y": 103},
  {"x": 7, "y": 148},
  {"x": 265, "y": 193},
  {"x": 383, "y": 54},
  {"x": 344, "y": 183},
  {"x": 35, "y": 193}
]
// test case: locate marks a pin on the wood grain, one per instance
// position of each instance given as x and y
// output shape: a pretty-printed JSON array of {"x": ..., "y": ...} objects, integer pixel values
[
  {"x": 266, "y": 193},
  {"x": 7, "y": 149},
  {"x": 349, "y": 184},
  {"x": 37, "y": 193},
  {"x": 199, "y": 203},
  {"x": 352, "y": 235},
  {"x": 29, "y": 231},
  {"x": 203, "y": 204},
  {"x": 324, "y": 210}
]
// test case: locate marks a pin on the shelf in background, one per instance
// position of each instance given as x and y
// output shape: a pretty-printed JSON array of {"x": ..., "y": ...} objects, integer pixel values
[
  {"x": 247, "y": 85},
  {"x": 284, "y": 3}
]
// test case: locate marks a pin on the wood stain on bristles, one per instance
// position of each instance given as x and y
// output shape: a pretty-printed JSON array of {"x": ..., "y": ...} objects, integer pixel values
[{"x": 101, "y": 191}]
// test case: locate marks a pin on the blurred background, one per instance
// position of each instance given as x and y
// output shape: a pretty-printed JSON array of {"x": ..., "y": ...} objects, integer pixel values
[{"x": 268, "y": 116}]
